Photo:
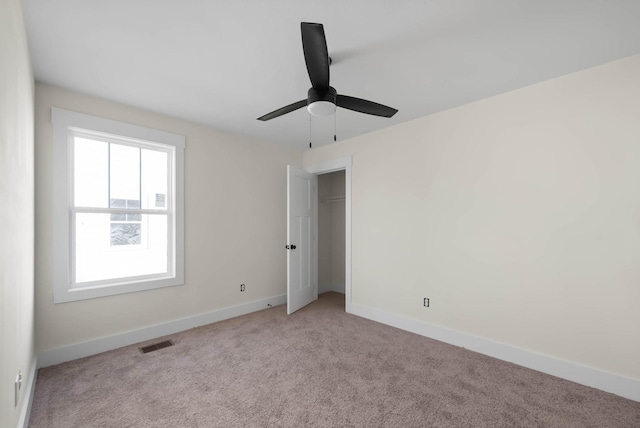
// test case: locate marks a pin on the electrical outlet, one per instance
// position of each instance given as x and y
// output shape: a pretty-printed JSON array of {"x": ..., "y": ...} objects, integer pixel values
[
  {"x": 243, "y": 287},
  {"x": 425, "y": 302}
]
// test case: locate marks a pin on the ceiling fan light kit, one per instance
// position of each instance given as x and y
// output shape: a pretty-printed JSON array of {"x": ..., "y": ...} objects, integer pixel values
[
  {"x": 322, "y": 108},
  {"x": 323, "y": 99},
  {"x": 321, "y": 104}
]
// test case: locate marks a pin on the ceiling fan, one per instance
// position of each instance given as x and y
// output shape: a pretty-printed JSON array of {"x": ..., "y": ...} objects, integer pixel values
[{"x": 322, "y": 99}]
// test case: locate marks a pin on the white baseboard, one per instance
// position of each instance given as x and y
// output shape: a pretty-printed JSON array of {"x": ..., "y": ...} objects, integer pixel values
[
  {"x": 27, "y": 402},
  {"x": 605, "y": 381},
  {"x": 84, "y": 349},
  {"x": 324, "y": 288}
]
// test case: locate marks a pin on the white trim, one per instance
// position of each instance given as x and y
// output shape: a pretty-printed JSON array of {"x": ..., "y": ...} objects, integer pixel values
[
  {"x": 605, "y": 381},
  {"x": 314, "y": 240},
  {"x": 84, "y": 349},
  {"x": 145, "y": 211},
  {"x": 332, "y": 166},
  {"x": 69, "y": 122},
  {"x": 29, "y": 393},
  {"x": 112, "y": 127}
]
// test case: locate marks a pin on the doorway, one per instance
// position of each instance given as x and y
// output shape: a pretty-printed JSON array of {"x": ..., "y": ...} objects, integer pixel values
[
  {"x": 331, "y": 232},
  {"x": 342, "y": 165},
  {"x": 302, "y": 227}
]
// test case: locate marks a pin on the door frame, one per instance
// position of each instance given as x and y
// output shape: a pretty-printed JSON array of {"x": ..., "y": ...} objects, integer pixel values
[{"x": 341, "y": 164}]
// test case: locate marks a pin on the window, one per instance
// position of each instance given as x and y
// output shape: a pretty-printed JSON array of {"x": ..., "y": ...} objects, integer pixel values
[{"x": 118, "y": 210}]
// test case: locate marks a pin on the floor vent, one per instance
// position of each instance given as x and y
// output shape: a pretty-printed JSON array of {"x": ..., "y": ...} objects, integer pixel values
[{"x": 156, "y": 346}]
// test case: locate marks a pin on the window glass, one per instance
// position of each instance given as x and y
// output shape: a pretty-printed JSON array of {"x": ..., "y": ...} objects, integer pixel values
[
  {"x": 124, "y": 175},
  {"x": 91, "y": 173},
  {"x": 111, "y": 250},
  {"x": 154, "y": 179}
]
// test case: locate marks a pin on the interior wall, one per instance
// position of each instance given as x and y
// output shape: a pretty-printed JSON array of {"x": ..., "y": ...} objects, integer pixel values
[
  {"x": 16, "y": 212},
  {"x": 331, "y": 229},
  {"x": 517, "y": 215},
  {"x": 235, "y": 226}
]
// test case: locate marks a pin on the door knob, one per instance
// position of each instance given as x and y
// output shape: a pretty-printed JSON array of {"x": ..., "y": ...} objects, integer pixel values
[
  {"x": 293, "y": 247},
  {"x": 286, "y": 246}
]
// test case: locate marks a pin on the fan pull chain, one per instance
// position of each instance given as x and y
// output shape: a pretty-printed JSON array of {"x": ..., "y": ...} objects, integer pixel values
[
  {"x": 309, "y": 131},
  {"x": 334, "y": 125}
]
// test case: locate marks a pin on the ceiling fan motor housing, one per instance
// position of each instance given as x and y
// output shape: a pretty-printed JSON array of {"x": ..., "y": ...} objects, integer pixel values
[{"x": 321, "y": 103}]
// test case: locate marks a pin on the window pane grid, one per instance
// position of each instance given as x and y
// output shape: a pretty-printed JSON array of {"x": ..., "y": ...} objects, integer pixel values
[
  {"x": 144, "y": 181},
  {"x": 129, "y": 234}
]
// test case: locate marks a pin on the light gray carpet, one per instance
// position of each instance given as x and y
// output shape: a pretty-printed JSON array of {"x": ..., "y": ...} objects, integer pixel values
[{"x": 319, "y": 367}]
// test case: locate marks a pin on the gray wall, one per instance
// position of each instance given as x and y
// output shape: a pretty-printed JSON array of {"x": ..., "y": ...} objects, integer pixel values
[{"x": 16, "y": 213}]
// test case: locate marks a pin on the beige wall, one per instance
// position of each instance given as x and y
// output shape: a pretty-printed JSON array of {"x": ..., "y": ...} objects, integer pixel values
[
  {"x": 517, "y": 215},
  {"x": 16, "y": 212},
  {"x": 235, "y": 227},
  {"x": 331, "y": 226}
]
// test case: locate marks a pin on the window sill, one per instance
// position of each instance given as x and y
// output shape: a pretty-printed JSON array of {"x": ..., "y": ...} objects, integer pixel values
[{"x": 76, "y": 294}]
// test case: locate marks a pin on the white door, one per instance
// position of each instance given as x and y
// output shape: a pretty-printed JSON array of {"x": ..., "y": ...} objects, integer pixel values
[{"x": 301, "y": 288}]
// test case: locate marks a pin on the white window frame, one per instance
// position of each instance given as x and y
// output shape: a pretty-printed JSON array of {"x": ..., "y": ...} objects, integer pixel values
[{"x": 65, "y": 124}]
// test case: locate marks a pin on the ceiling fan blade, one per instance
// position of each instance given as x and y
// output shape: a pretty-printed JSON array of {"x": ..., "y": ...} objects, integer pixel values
[
  {"x": 284, "y": 110},
  {"x": 364, "y": 106},
  {"x": 314, "y": 45}
]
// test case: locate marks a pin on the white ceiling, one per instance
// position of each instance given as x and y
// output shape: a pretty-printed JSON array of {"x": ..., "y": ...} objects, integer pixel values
[{"x": 223, "y": 63}]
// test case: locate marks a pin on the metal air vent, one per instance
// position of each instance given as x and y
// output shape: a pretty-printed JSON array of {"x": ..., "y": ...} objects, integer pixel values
[{"x": 156, "y": 346}]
